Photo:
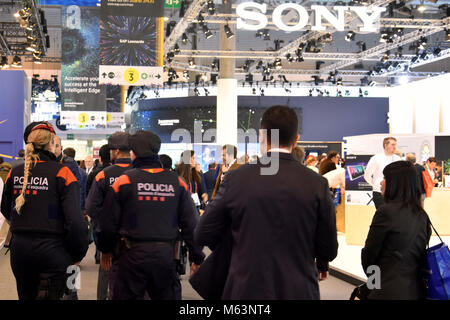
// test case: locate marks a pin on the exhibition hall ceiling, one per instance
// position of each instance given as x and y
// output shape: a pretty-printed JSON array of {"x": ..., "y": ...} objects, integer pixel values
[{"x": 410, "y": 41}]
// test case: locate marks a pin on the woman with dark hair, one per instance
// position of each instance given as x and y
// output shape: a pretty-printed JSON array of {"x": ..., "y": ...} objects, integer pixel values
[
  {"x": 398, "y": 236},
  {"x": 186, "y": 170}
]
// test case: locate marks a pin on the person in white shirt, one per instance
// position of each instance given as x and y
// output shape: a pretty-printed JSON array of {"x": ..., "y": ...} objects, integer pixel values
[
  {"x": 89, "y": 163},
  {"x": 374, "y": 170}
]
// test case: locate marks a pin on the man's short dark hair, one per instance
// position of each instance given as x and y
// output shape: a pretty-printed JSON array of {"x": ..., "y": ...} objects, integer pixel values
[
  {"x": 166, "y": 161},
  {"x": 431, "y": 159},
  {"x": 70, "y": 152},
  {"x": 230, "y": 147},
  {"x": 212, "y": 165},
  {"x": 1, "y": 160},
  {"x": 332, "y": 154},
  {"x": 285, "y": 120},
  {"x": 21, "y": 153},
  {"x": 104, "y": 154}
]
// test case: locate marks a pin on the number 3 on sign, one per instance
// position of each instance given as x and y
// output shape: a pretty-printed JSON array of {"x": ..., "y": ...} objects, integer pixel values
[
  {"x": 131, "y": 75},
  {"x": 83, "y": 118}
]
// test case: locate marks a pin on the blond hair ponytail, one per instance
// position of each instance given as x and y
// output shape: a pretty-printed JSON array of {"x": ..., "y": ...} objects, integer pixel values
[{"x": 37, "y": 140}]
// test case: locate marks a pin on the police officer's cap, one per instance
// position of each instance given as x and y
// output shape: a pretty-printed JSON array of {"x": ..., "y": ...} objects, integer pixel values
[
  {"x": 145, "y": 144},
  {"x": 119, "y": 140},
  {"x": 39, "y": 125}
]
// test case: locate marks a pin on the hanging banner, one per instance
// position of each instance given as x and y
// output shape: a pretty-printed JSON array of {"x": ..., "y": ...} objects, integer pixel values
[
  {"x": 136, "y": 8},
  {"x": 136, "y": 76},
  {"x": 80, "y": 88},
  {"x": 129, "y": 33}
]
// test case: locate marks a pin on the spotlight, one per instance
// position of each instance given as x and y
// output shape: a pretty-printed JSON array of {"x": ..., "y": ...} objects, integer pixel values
[
  {"x": 327, "y": 38},
  {"x": 4, "y": 62},
  {"x": 385, "y": 57},
  {"x": 254, "y": 91},
  {"x": 350, "y": 36},
  {"x": 184, "y": 39},
  {"x": 211, "y": 7},
  {"x": 287, "y": 90},
  {"x": 266, "y": 34},
  {"x": 249, "y": 78},
  {"x": 422, "y": 43},
  {"x": 17, "y": 62},
  {"x": 196, "y": 92},
  {"x": 213, "y": 78},
  {"x": 318, "y": 64},
  {"x": 332, "y": 77},
  {"x": 206, "y": 92},
  {"x": 176, "y": 49},
  {"x": 31, "y": 37},
  {"x": 289, "y": 58},
  {"x": 200, "y": 19},
  {"x": 278, "y": 64},
  {"x": 437, "y": 52},
  {"x": 215, "y": 64},
  {"x": 228, "y": 31},
  {"x": 23, "y": 13},
  {"x": 362, "y": 46},
  {"x": 259, "y": 34},
  {"x": 207, "y": 32},
  {"x": 261, "y": 90},
  {"x": 191, "y": 62},
  {"x": 339, "y": 82},
  {"x": 421, "y": 8}
]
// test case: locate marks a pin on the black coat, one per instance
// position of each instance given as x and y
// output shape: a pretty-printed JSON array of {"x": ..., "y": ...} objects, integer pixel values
[
  {"x": 397, "y": 243},
  {"x": 279, "y": 223},
  {"x": 210, "y": 182}
]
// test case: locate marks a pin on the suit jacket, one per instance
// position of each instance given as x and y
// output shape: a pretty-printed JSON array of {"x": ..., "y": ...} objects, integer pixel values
[
  {"x": 279, "y": 224},
  {"x": 397, "y": 242},
  {"x": 234, "y": 166},
  {"x": 210, "y": 182}
]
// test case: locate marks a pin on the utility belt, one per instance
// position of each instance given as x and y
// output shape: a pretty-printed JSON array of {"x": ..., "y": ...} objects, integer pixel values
[{"x": 125, "y": 244}]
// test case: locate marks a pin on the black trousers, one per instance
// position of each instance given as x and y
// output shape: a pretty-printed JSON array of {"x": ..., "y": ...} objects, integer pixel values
[
  {"x": 378, "y": 199},
  {"x": 148, "y": 267},
  {"x": 39, "y": 264}
]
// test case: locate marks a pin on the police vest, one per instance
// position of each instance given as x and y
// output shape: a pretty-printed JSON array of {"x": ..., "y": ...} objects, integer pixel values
[
  {"x": 43, "y": 211},
  {"x": 110, "y": 175},
  {"x": 149, "y": 199}
]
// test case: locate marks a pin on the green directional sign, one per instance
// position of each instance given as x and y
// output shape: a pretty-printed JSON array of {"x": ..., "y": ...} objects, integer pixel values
[
  {"x": 69, "y": 136},
  {"x": 175, "y": 4}
]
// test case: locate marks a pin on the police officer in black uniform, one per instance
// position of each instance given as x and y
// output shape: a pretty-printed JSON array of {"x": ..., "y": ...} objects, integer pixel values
[
  {"x": 49, "y": 233},
  {"x": 120, "y": 156},
  {"x": 141, "y": 216}
]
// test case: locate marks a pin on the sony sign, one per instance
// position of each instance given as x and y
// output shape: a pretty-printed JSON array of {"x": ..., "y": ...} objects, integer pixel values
[{"x": 256, "y": 12}]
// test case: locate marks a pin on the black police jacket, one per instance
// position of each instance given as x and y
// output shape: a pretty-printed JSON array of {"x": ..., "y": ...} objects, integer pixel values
[
  {"x": 148, "y": 204},
  {"x": 52, "y": 204},
  {"x": 103, "y": 181}
]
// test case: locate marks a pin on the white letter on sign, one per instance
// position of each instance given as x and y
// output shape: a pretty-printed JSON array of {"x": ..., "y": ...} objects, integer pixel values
[
  {"x": 302, "y": 13},
  {"x": 338, "y": 23},
  {"x": 251, "y": 15},
  {"x": 368, "y": 20}
]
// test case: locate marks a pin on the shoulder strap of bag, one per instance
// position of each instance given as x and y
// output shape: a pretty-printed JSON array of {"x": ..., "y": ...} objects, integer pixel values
[{"x": 429, "y": 221}]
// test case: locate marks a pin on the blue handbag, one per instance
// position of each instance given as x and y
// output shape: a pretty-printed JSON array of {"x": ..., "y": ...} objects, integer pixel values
[{"x": 437, "y": 271}]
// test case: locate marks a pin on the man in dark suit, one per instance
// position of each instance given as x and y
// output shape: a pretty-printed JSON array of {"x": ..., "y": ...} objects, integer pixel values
[
  {"x": 210, "y": 182},
  {"x": 281, "y": 221}
]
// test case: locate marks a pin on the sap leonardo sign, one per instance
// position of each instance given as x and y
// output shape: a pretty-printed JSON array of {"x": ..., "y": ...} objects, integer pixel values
[{"x": 256, "y": 12}]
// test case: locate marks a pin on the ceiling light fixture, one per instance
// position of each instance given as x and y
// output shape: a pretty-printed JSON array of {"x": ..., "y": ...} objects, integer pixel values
[{"x": 228, "y": 31}]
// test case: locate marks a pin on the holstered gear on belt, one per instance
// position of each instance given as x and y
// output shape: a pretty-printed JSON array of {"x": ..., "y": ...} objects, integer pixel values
[
  {"x": 52, "y": 287},
  {"x": 180, "y": 255}
]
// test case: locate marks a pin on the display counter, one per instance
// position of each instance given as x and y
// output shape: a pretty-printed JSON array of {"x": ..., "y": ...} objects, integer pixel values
[{"x": 359, "y": 217}]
